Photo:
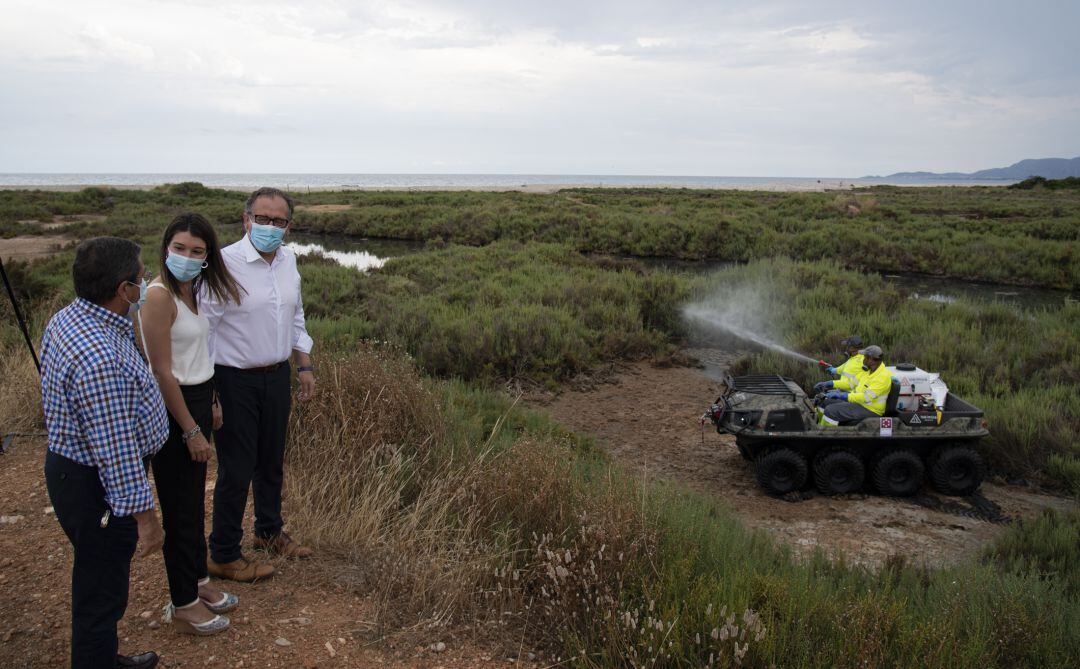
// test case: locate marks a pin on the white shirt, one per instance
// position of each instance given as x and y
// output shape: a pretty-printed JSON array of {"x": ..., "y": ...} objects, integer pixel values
[
  {"x": 190, "y": 339},
  {"x": 268, "y": 324}
]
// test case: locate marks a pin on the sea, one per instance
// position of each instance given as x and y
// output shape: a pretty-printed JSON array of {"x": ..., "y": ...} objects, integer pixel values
[{"x": 300, "y": 182}]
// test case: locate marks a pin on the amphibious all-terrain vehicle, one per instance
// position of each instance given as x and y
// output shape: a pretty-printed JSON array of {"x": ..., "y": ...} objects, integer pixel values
[{"x": 926, "y": 431}]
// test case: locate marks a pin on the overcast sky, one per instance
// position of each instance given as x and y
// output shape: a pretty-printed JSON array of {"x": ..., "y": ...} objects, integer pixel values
[{"x": 666, "y": 87}]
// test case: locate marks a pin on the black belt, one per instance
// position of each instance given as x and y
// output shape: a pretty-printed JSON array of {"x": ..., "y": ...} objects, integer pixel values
[{"x": 257, "y": 370}]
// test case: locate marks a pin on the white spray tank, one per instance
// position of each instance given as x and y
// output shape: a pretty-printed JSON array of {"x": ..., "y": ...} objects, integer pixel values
[{"x": 916, "y": 384}]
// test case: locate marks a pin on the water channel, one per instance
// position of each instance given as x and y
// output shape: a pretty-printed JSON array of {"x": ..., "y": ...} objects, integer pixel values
[{"x": 365, "y": 253}]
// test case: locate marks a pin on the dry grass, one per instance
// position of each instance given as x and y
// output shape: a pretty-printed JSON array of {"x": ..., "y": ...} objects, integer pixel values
[
  {"x": 523, "y": 537},
  {"x": 445, "y": 533},
  {"x": 365, "y": 479},
  {"x": 20, "y": 384},
  {"x": 20, "y": 410}
]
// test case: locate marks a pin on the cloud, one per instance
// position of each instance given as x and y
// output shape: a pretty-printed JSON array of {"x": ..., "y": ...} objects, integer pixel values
[
  {"x": 108, "y": 46},
  {"x": 755, "y": 88}
]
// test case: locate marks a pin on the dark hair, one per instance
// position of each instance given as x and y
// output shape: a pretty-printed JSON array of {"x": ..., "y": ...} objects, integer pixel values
[
  {"x": 103, "y": 263},
  {"x": 267, "y": 191},
  {"x": 215, "y": 275}
]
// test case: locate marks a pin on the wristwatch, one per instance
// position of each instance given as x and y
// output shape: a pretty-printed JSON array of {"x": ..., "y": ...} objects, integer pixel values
[{"x": 305, "y": 368}]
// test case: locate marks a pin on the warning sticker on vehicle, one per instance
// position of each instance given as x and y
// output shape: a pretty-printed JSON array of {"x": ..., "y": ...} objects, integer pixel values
[
  {"x": 915, "y": 420},
  {"x": 886, "y": 427}
]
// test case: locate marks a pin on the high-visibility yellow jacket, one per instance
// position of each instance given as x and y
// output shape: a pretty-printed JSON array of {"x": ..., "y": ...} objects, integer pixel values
[
  {"x": 873, "y": 389},
  {"x": 850, "y": 372}
]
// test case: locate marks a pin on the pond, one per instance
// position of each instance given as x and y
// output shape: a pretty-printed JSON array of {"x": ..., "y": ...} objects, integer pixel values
[
  {"x": 360, "y": 253},
  {"x": 947, "y": 291}
]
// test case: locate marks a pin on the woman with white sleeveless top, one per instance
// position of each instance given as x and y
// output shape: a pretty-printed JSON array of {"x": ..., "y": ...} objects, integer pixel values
[{"x": 176, "y": 340}]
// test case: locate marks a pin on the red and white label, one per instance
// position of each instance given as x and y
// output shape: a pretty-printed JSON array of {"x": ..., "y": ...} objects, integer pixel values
[{"x": 886, "y": 427}]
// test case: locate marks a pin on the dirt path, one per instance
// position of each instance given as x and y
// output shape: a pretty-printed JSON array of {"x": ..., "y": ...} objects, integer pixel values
[
  {"x": 308, "y": 604},
  {"x": 648, "y": 418}
]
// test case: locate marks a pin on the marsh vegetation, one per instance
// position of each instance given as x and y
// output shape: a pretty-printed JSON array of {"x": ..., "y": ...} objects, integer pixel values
[{"x": 455, "y": 507}]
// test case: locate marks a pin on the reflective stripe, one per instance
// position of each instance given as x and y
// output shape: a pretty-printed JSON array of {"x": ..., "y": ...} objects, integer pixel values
[
  {"x": 868, "y": 397},
  {"x": 825, "y": 420}
]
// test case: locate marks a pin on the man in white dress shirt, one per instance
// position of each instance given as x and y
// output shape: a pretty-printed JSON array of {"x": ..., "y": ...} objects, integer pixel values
[{"x": 251, "y": 344}]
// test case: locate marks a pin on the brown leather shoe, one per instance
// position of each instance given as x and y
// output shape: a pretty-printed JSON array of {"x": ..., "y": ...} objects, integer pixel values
[
  {"x": 283, "y": 545},
  {"x": 243, "y": 570}
]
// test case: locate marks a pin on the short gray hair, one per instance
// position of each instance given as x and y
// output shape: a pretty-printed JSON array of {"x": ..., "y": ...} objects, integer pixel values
[{"x": 267, "y": 191}]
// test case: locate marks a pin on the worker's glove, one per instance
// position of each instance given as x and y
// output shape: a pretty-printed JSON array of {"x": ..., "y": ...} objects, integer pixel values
[
  {"x": 830, "y": 369},
  {"x": 822, "y": 386},
  {"x": 836, "y": 395}
]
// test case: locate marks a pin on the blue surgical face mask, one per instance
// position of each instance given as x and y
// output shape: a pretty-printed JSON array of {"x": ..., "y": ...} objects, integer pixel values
[
  {"x": 134, "y": 306},
  {"x": 183, "y": 267},
  {"x": 266, "y": 238}
]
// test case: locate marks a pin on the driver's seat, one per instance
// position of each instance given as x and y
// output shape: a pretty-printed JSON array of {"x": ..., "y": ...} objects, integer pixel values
[{"x": 892, "y": 399}]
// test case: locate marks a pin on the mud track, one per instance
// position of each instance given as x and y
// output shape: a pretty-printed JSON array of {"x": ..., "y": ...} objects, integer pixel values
[{"x": 647, "y": 418}]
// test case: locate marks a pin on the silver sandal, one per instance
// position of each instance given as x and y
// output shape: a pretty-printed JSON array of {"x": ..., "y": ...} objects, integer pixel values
[
  {"x": 215, "y": 625},
  {"x": 227, "y": 603}
]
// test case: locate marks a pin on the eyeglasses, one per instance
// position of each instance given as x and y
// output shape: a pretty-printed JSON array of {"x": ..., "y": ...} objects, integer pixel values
[
  {"x": 267, "y": 220},
  {"x": 146, "y": 276}
]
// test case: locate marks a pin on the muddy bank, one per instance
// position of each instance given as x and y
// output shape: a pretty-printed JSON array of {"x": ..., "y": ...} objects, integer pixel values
[{"x": 647, "y": 419}]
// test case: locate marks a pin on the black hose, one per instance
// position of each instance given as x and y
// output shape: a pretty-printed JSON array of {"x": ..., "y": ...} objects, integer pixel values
[
  {"x": 5, "y": 443},
  {"x": 19, "y": 316}
]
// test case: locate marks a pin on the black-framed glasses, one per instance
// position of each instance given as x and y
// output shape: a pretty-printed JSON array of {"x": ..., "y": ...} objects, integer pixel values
[{"x": 268, "y": 220}]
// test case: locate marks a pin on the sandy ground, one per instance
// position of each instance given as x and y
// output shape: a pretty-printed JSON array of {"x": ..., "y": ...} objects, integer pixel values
[
  {"x": 648, "y": 418},
  {"x": 33, "y": 247},
  {"x": 830, "y": 185},
  {"x": 308, "y": 604},
  {"x": 323, "y": 208}
]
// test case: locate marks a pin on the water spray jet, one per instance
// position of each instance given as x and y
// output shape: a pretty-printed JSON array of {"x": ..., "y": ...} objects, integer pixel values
[{"x": 718, "y": 321}]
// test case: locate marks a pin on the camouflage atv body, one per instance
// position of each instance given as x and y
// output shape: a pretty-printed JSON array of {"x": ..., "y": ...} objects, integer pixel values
[{"x": 775, "y": 425}]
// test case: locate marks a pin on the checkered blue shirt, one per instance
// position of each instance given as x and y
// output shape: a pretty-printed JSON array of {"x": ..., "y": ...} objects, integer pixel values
[{"x": 102, "y": 405}]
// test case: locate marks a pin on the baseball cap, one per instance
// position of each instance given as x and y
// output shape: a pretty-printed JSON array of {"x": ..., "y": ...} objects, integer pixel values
[
  {"x": 872, "y": 351},
  {"x": 853, "y": 340}
]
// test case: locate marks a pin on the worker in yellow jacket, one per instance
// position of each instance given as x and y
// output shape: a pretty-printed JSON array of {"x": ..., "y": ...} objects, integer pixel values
[
  {"x": 868, "y": 398},
  {"x": 849, "y": 371}
]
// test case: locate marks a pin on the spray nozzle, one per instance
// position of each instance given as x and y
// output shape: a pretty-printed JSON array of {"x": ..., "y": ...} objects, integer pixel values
[{"x": 823, "y": 363}]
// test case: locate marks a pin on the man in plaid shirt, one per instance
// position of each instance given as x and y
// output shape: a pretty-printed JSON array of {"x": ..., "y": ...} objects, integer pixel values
[{"x": 105, "y": 417}]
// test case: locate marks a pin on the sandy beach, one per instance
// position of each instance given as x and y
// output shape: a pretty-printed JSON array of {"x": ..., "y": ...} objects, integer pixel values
[{"x": 542, "y": 189}]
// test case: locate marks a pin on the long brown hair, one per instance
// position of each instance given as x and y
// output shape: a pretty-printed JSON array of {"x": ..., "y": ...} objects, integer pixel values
[{"x": 215, "y": 275}]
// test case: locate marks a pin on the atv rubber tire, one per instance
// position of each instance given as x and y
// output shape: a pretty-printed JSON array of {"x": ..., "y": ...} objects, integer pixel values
[
  {"x": 839, "y": 473},
  {"x": 899, "y": 474},
  {"x": 781, "y": 471},
  {"x": 957, "y": 471}
]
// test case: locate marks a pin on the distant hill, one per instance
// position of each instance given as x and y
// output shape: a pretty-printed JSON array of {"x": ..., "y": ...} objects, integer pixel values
[{"x": 1051, "y": 168}]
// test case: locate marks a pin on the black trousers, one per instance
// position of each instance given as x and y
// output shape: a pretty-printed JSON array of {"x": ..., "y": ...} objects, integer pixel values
[
  {"x": 102, "y": 568},
  {"x": 181, "y": 489},
  {"x": 251, "y": 452}
]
